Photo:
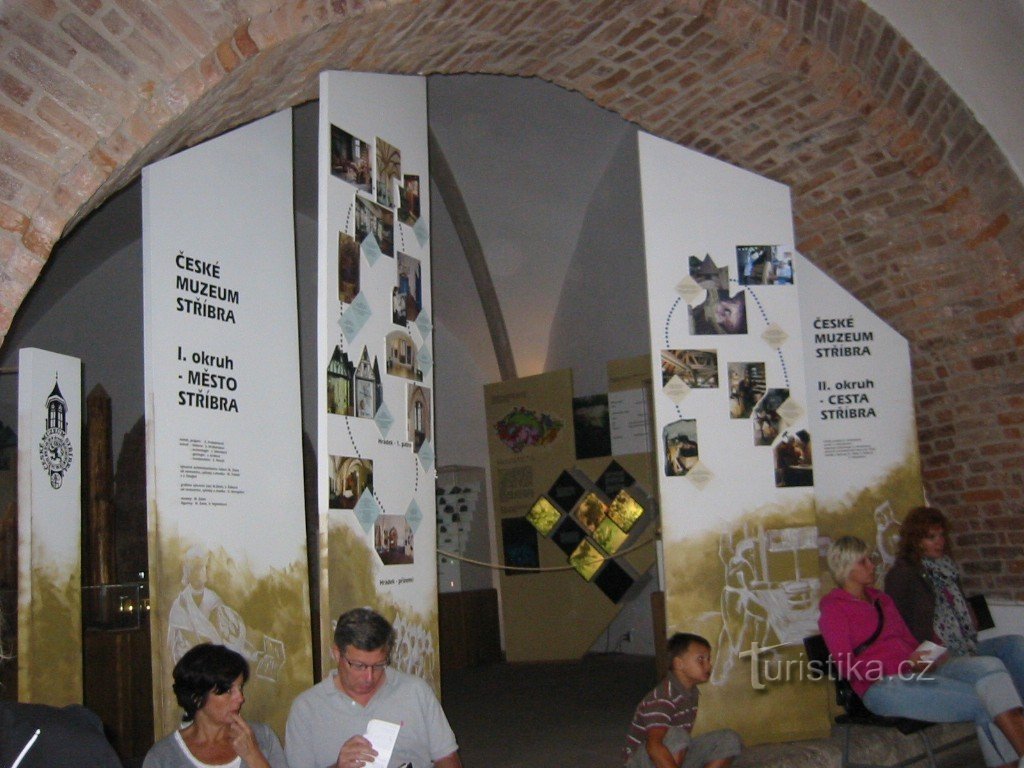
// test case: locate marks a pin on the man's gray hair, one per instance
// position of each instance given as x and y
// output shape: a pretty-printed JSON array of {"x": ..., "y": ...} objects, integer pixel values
[{"x": 364, "y": 629}]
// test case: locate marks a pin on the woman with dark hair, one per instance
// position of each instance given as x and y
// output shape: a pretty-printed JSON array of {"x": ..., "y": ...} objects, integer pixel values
[
  {"x": 925, "y": 585},
  {"x": 208, "y": 683}
]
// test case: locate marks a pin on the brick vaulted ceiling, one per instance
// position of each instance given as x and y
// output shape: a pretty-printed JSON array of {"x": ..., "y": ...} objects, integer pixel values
[{"x": 898, "y": 192}]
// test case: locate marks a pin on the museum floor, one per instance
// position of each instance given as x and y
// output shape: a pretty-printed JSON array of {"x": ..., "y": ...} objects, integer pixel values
[
  {"x": 555, "y": 715},
  {"x": 546, "y": 715}
]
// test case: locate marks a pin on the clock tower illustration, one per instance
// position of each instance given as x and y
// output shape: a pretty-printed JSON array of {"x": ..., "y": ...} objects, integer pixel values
[{"x": 55, "y": 446}]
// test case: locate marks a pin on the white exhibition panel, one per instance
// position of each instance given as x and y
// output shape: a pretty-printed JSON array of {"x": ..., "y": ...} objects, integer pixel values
[
  {"x": 223, "y": 423},
  {"x": 696, "y": 205},
  {"x": 49, "y": 528},
  {"x": 366, "y": 427},
  {"x": 862, "y": 407},
  {"x": 824, "y": 447}
]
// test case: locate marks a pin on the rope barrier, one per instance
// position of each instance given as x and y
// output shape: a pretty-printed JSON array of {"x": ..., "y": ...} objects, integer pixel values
[{"x": 529, "y": 569}]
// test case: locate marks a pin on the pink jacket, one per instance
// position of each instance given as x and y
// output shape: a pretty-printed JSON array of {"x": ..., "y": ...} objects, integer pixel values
[{"x": 846, "y": 622}]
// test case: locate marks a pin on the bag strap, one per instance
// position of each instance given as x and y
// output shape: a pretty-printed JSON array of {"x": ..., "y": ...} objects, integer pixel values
[{"x": 874, "y": 635}]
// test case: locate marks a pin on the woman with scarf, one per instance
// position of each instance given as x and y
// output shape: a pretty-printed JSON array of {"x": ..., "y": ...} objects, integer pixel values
[{"x": 925, "y": 585}]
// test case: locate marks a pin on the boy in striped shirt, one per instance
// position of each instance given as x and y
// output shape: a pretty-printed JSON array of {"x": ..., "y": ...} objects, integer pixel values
[{"x": 660, "y": 735}]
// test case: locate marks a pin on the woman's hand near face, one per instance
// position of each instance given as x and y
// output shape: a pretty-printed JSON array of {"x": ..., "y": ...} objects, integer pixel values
[{"x": 244, "y": 743}]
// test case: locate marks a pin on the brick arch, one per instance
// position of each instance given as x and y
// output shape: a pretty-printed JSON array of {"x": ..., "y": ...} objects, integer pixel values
[{"x": 898, "y": 193}]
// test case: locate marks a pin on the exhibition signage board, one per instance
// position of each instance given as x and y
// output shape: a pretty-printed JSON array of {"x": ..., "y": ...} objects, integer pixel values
[
  {"x": 49, "y": 528},
  {"x": 375, "y": 363},
  {"x": 757, "y": 429},
  {"x": 227, "y": 550},
  {"x": 573, "y": 531},
  {"x": 867, "y": 469}
]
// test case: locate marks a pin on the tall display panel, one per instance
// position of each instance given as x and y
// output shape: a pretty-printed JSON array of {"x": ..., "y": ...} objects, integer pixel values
[
  {"x": 227, "y": 549},
  {"x": 49, "y": 528},
  {"x": 776, "y": 431},
  {"x": 376, "y": 437}
]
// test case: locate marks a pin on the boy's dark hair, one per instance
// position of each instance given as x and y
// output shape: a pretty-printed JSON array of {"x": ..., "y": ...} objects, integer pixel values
[{"x": 680, "y": 643}]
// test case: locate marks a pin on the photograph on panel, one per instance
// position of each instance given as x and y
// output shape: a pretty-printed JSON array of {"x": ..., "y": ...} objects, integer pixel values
[
  {"x": 793, "y": 466},
  {"x": 409, "y": 200},
  {"x": 350, "y": 159},
  {"x": 408, "y": 292},
  {"x": 783, "y": 267},
  {"x": 367, "y": 389},
  {"x": 764, "y": 265},
  {"x": 375, "y": 221},
  {"x": 341, "y": 373},
  {"x": 586, "y": 559},
  {"x": 418, "y": 408},
  {"x": 389, "y": 172},
  {"x": 393, "y": 540},
  {"x": 592, "y": 426},
  {"x": 697, "y": 368},
  {"x": 591, "y": 511},
  {"x": 767, "y": 421},
  {"x": 347, "y": 478},
  {"x": 348, "y": 268},
  {"x": 719, "y": 314},
  {"x": 746, "y": 387},
  {"x": 519, "y": 545},
  {"x": 681, "y": 447},
  {"x": 401, "y": 356}
]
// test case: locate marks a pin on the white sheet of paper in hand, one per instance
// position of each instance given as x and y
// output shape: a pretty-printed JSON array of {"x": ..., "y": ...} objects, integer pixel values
[
  {"x": 382, "y": 735},
  {"x": 930, "y": 651}
]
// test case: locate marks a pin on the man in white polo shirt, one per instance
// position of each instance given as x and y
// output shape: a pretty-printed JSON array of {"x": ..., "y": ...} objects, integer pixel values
[{"x": 327, "y": 724}]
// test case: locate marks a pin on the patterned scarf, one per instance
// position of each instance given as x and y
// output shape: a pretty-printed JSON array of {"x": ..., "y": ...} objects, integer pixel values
[{"x": 953, "y": 623}]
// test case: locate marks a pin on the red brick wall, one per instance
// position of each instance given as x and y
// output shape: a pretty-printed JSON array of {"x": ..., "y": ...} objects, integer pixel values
[{"x": 899, "y": 194}]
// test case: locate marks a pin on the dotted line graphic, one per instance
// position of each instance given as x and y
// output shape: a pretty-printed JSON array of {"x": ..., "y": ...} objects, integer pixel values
[
  {"x": 668, "y": 319},
  {"x": 764, "y": 317},
  {"x": 753, "y": 295},
  {"x": 785, "y": 371}
]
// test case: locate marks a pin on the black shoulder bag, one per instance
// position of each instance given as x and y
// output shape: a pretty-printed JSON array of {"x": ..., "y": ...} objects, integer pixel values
[
  {"x": 874, "y": 635},
  {"x": 846, "y": 697}
]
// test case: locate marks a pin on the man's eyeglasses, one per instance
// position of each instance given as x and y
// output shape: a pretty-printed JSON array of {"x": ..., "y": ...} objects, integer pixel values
[{"x": 358, "y": 666}]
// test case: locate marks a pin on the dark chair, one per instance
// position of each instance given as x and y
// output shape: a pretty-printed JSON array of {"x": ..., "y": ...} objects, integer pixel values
[
  {"x": 982, "y": 614},
  {"x": 855, "y": 713}
]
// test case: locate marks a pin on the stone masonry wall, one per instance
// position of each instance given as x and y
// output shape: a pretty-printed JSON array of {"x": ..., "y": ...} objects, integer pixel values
[{"x": 898, "y": 193}]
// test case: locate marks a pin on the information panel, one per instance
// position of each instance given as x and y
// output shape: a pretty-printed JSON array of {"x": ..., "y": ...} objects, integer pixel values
[
  {"x": 784, "y": 418},
  {"x": 223, "y": 428},
  {"x": 376, "y": 406},
  {"x": 49, "y": 528}
]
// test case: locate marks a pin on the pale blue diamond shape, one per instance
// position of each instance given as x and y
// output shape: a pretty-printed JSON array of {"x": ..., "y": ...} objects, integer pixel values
[
  {"x": 422, "y": 231},
  {"x": 413, "y": 515},
  {"x": 371, "y": 249},
  {"x": 423, "y": 323},
  {"x": 355, "y": 317},
  {"x": 384, "y": 419},
  {"x": 426, "y": 454},
  {"x": 367, "y": 511},
  {"x": 425, "y": 360}
]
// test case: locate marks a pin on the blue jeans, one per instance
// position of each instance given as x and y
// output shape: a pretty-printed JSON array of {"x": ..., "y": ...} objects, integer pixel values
[
  {"x": 965, "y": 689},
  {"x": 1009, "y": 649}
]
